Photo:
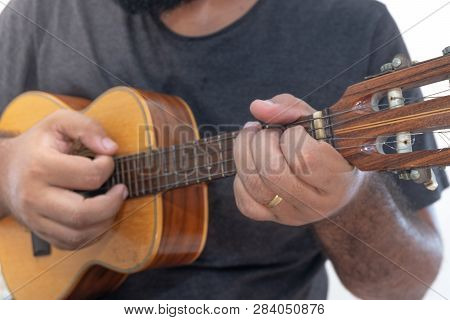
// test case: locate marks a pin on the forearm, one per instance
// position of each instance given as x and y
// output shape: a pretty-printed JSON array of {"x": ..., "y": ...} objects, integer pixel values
[{"x": 379, "y": 250}]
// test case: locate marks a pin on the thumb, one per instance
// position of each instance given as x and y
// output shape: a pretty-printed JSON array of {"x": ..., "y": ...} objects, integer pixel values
[
  {"x": 75, "y": 126},
  {"x": 281, "y": 109}
]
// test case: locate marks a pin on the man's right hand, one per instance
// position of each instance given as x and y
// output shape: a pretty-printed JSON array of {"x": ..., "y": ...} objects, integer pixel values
[{"x": 38, "y": 174}]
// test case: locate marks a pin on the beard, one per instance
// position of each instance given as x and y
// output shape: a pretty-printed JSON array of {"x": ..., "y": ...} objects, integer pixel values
[{"x": 155, "y": 7}]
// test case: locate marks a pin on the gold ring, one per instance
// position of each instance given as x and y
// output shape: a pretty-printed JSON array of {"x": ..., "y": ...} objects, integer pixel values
[{"x": 274, "y": 202}]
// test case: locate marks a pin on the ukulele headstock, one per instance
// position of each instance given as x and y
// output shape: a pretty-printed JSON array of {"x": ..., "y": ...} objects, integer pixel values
[{"x": 375, "y": 125}]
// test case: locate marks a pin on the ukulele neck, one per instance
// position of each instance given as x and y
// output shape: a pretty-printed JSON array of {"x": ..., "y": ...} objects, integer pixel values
[
  {"x": 200, "y": 161},
  {"x": 177, "y": 166}
]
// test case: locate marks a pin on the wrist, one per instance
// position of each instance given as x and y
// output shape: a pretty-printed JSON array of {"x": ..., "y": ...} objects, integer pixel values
[{"x": 357, "y": 196}]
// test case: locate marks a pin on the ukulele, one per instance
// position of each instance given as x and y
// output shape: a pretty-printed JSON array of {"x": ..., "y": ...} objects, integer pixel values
[{"x": 166, "y": 166}]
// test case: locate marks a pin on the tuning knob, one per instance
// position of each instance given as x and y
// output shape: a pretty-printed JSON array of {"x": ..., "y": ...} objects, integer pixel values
[
  {"x": 400, "y": 61},
  {"x": 423, "y": 176},
  {"x": 387, "y": 67},
  {"x": 446, "y": 51}
]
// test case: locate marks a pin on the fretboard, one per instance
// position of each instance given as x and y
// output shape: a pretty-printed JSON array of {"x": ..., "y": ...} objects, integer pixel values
[
  {"x": 182, "y": 165},
  {"x": 177, "y": 166}
]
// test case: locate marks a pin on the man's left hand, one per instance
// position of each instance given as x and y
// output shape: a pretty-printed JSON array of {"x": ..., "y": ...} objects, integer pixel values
[{"x": 289, "y": 177}]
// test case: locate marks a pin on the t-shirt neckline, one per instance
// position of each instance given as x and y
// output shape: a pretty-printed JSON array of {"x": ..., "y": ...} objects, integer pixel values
[{"x": 253, "y": 10}]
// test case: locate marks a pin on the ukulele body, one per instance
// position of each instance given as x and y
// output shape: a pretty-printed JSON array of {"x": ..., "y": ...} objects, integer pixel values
[{"x": 152, "y": 231}]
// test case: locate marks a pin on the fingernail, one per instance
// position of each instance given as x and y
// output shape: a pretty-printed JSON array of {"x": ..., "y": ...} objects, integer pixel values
[
  {"x": 269, "y": 101},
  {"x": 108, "y": 144},
  {"x": 251, "y": 124},
  {"x": 125, "y": 193}
]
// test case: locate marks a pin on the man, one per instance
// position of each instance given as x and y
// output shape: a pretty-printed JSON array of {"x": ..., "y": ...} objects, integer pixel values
[{"x": 220, "y": 55}]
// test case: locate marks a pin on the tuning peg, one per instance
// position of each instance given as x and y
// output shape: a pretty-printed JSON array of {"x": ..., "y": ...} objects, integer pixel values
[
  {"x": 400, "y": 61},
  {"x": 387, "y": 67},
  {"x": 446, "y": 51},
  {"x": 432, "y": 184},
  {"x": 424, "y": 176}
]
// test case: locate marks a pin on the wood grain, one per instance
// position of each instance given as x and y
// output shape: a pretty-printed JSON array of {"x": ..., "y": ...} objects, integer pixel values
[
  {"x": 357, "y": 122},
  {"x": 185, "y": 217}
]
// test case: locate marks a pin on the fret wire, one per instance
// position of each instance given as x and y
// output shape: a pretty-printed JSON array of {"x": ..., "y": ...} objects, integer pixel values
[
  {"x": 139, "y": 170},
  {"x": 144, "y": 168},
  {"x": 221, "y": 156},
  {"x": 174, "y": 163},
  {"x": 117, "y": 173},
  {"x": 113, "y": 178},
  {"x": 129, "y": 184},
  {"x": 148, "y": 167},
  {"x": 313, "y": 128},
  {"x": 186, "y": 181},
  {"x": 195, "y": 159},
  {"x": 163, "y": 167},
  {"x": 135, "y": 176},
  {"x": 208, "y": 165},
  {"x": 122, "y": 171}
]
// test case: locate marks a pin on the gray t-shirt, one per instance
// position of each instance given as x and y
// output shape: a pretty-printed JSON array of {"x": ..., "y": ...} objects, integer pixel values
[{"x": 279, "y": 46}]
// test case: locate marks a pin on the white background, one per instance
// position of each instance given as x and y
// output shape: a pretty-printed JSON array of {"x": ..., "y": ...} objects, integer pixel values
[{"x": 424, "y": 41}]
